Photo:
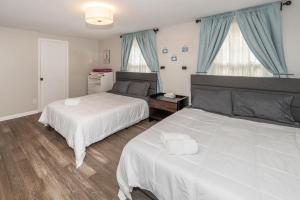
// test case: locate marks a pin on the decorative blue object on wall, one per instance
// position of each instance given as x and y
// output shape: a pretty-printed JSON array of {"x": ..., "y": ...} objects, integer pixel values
[
  {"x": 185, "y": 49},
  {"x": 165, "y": 50},
  {"x": 174, "y": 58}
]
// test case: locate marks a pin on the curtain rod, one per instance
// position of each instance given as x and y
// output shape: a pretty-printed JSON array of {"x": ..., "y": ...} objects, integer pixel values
[
  {"x": 285, "y": 3},
  {"x": 155, "y": 31}
]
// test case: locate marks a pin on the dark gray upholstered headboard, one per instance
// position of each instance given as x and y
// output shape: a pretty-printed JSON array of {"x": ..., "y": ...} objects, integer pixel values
[
  {"x": 142, "y": 77},
  {"x": 288, "y": 86}
]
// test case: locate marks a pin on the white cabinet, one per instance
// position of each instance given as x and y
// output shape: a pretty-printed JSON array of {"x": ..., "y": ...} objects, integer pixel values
[{"x": 100, "y": 82}]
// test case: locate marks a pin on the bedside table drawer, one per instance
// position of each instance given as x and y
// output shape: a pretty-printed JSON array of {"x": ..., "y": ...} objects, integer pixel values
[{"x": 163, "y": 105}]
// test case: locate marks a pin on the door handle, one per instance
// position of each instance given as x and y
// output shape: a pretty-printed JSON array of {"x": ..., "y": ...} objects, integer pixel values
[{"x": 41, "y": 79}]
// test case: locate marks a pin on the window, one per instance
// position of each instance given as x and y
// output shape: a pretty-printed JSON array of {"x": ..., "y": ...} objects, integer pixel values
[
  {"x": 235, "y": 58},
  {"x": 136, "y": 62}
]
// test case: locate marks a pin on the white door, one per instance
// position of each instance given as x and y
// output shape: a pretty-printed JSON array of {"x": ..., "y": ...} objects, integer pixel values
[{"x": 53, "y": 62}]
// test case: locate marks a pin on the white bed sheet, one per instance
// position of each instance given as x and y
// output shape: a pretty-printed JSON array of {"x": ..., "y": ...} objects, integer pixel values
[
  {"x": 96, "y": 117},
  {"x": 238, "y": 160}
]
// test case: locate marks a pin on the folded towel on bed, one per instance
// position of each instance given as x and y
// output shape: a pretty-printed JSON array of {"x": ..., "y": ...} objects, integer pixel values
[
  {"x": 179, "y": 144},
  {"x": 72, "y": 102},
  {"x": 173, "y": 136},
  {"x": 181, "y": 147}
]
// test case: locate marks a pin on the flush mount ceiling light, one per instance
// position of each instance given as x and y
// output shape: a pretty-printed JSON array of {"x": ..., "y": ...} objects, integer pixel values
[{"x": 99, "y": 14}]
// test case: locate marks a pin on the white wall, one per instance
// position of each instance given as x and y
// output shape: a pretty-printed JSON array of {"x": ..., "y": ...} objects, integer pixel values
[
  {"x": 19, "y": 68},
  {"x": 114, "y": 45},
  {"x": 174, "y": 37},
  {"x": 291, "y": 37}
]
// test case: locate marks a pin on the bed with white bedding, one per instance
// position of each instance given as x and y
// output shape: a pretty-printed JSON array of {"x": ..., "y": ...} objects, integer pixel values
[
  {"x": 237, "y": 160},
  {"x": 94, "y": 118}
]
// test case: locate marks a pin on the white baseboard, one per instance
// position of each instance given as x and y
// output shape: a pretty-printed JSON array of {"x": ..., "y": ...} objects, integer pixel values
[{"x": 18, "y": 115}]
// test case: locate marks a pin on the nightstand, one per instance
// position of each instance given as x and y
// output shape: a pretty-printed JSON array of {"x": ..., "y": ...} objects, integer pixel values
[{"x": 161, "y": 107}]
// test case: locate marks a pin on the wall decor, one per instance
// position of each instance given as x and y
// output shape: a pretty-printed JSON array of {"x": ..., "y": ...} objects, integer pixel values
[
  {"x": 185, "y": 49},
  {"x": 174, "y": 58},
  {"x": 106, "y": 57},
  {"x": 165, "y": 50}
]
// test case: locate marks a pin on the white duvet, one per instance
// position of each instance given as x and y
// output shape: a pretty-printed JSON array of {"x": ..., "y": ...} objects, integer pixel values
[
  {"x": 94, "y": 118},
  {"x": 238, "y": 160}
]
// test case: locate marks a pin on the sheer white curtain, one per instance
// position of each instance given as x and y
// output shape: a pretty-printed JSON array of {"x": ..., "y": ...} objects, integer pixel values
[
  {"x": 136, "y": 62},
  {"x": 235, "y": 58}
]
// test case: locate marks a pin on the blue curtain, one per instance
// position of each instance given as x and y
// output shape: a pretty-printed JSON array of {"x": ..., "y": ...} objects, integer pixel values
[
  {"x": 127, "y": 41},
  {"x": 213, "y": 32},
  {"x": 147, "y": 43},
  {"x": 262, "y": 29}
]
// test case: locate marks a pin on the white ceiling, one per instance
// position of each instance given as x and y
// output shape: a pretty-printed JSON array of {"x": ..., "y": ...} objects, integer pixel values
[{"x": 65, "y": 17}]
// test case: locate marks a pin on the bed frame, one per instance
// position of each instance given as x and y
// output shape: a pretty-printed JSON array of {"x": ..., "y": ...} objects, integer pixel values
[
  {"x": 288, "y": 86},
  {"x": 141, "y": 77}
]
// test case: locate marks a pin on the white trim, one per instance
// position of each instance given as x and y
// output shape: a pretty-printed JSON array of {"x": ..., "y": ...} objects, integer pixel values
[
  {"x": 18, "y": 115},
  {"x": 39, "y": 68}
]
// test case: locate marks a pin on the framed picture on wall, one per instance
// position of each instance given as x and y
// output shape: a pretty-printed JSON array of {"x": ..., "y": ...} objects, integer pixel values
[{"x": 106, "y": 57}]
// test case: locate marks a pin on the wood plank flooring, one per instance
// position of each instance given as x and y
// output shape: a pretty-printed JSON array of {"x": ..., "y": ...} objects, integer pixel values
[{"x": 36, "y": 163}]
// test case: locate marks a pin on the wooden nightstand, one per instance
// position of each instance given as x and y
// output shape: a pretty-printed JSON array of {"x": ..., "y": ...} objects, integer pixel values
[{"x": 161, "y": 107}]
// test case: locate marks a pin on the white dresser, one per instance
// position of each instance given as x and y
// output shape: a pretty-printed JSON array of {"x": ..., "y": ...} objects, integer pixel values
[{"x": 100, "y": 82}]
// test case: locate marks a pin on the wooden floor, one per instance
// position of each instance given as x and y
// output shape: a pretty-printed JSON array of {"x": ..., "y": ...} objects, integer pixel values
[{"x": 36, "y": 163}]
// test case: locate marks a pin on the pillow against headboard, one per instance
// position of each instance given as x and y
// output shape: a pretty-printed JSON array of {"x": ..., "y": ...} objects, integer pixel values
[
  {"x": 120, "y": 87},
  {"x": 138, "y": 88},
  {"x": 275, "y": 107},
  {"x": 213, "y": 100}
]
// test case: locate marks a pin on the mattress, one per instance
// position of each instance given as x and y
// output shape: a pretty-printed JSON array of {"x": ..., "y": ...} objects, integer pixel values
[
  {"x": 96, "y": 117},
  {"x": 237, "y": 160}
]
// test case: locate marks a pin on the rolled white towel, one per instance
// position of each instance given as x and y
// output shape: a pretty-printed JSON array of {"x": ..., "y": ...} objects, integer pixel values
[
  {"x": 181, "y": 147},
  {"x": 164, "y": 137},
  {"x": 72, "y": 102}
]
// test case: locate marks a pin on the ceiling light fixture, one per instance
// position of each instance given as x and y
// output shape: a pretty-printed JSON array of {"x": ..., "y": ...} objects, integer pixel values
[{"x": 99, "y": 14}]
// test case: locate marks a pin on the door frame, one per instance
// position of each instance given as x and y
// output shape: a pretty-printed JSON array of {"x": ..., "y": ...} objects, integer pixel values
[{"x": 40, "y": 40}]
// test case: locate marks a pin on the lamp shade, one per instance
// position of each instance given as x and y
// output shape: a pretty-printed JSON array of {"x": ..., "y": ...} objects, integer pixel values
[{"x": 99, "y": 15}]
